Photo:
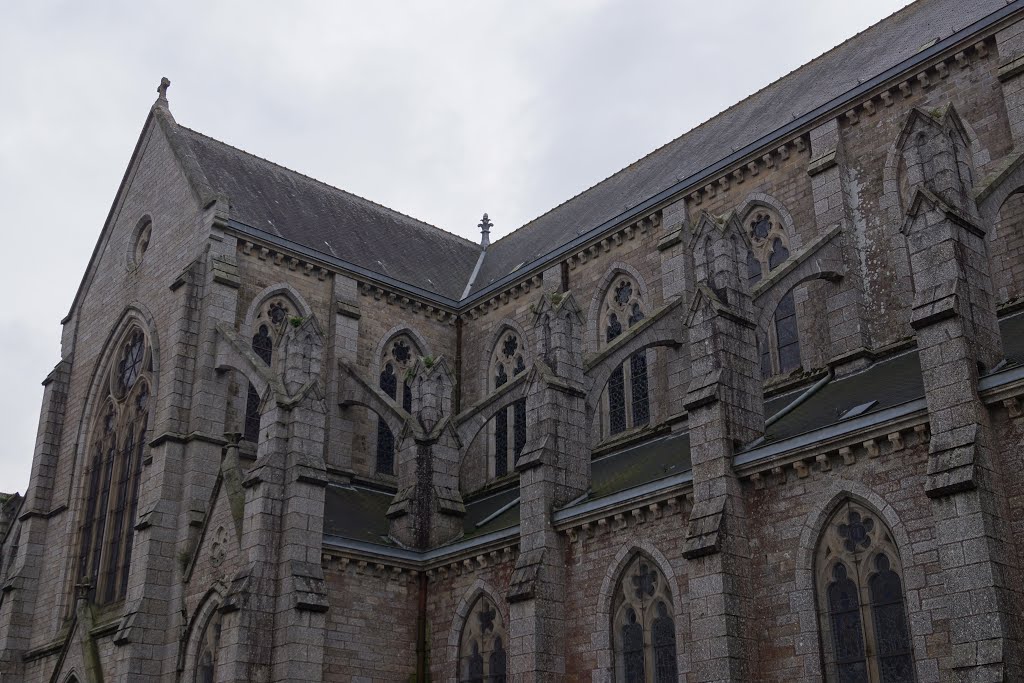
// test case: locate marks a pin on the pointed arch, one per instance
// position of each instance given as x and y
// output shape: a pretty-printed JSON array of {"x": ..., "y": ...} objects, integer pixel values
[
  {"x": 463, "y": 611},
  {"x": 196, "y": 632},
  {"x": 114, "y": 433},
  {"x": 805, "y": 595},
  {"x": 592, "y": 340},
  {"x": 283, "y": 290},
  {"x": 504, "y": 325},
  {"x": 603, "y": 638},
  {"x": 387, "y": 337},
  {"x": 756, "y": 199}
]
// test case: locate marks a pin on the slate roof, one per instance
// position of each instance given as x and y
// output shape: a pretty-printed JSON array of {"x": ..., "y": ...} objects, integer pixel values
[
  {"x": 290, "y": 205},
  {"x": 864, "y": 56},
  {"x": 294, "y": 207}
]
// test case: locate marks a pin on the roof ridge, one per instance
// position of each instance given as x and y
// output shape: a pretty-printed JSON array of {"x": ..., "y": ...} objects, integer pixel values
[
  {"x": 714, "y": 116},
  {"x": 322, "y": 183}
]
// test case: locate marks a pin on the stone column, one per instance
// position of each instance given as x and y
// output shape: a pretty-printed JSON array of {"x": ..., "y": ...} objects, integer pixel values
[
  {"x": 427, "y": 510},
  {"x": 725, "y": 408},
  {"x": 554, "y": 469},
  {"x": 21, "y": 578},
  {"x": 833, "y": 205}
]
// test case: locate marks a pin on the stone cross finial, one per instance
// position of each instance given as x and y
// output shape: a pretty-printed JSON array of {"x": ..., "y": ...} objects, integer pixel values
[
  {"x": 485, "y": 226},
  {"x": 165, "y": 83}
]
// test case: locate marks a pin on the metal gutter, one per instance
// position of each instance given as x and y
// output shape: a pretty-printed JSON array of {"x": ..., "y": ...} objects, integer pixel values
[
  {"x": 421, "y": 556},
  {"x": 650, "y": 488},
  {"x": 832, "y": 431},
  {"x": 699, "y": 177}
]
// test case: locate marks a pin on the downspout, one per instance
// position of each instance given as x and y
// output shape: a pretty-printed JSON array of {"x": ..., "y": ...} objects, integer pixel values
[
  {"x": 796, "y": 403},
  {"x": 422, "y": 675}
]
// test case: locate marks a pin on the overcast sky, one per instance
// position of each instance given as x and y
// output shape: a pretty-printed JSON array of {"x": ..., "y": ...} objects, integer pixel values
[{"x": 441, "y": 110}]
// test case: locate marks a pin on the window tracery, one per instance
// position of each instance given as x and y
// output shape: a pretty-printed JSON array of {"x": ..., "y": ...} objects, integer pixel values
[
  {"x": 644, "y": 633},
  {"x": 482, "y": 654},
  {"x": 114, "y": 472},
  {"x": 780, "y": 352},
  {"x": 269, "y": 325},
  {"x": 626, "y": 402},
  {"x": 865, "y": 633},
  {"x": 396, "y": 365},
  {"x": 507, "y": 363}
]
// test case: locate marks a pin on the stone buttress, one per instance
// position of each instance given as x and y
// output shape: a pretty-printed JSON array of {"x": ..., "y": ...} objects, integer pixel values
[
  {"x": 958, "y": 338},
  {"x": 725, "y": 410},
  {"x": 554, "y": 469},
  {"x": 274, "y": 620},
  {"x": 427, "y": 510}
]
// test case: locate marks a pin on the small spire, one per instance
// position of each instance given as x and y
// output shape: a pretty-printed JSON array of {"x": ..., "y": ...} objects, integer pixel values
[
  {"x": 165, "y": 83},
  {"x": 485, "y": 226}
]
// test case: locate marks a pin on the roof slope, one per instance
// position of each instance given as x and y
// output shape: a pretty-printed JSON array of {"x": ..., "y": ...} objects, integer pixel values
[
  {"x": 300, "y": 209},
  {"x": 860, "y": 58}
]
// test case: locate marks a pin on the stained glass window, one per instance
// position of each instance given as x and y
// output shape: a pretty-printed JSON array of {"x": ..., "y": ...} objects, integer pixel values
[
  {"x": 644, "y": 630},
  {"x": 399, "y": 357},
  {"x": 780, "y": 352},
  {"x": 508, "y": 428},
  {"x": 626, "y": 399},
  {"x": 113, "y": 474},
  {"x": 269, "y": 325},
  {"x": 482, "y": 654},
  {"x": 863, "y": 615}
]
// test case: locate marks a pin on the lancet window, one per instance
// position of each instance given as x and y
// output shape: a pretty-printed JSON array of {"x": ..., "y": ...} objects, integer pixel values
[
  {"x": 400, "y": 355},
  {"x": 209, "y": 646},
  {"x": 862, "y": 611},
  {"x": 780, "y": 352},
  {"x": 268, "y": 328},
  {"x": 643, "y": 626},
  {"x": 482, "y": 647},
  {"x": 507, "y": 362},
  {"x": 626, "y": 401},
  {"x": 114, "y": 471}
]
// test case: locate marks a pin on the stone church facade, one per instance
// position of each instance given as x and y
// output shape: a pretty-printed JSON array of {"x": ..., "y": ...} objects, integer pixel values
[{"x": 749, "y": 409}]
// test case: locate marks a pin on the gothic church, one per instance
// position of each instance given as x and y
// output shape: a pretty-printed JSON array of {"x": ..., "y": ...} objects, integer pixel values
[{"x": 748, "y": 410}]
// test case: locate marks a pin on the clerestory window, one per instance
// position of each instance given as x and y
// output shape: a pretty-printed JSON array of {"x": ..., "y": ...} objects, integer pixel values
[
  {"x": 269, "y": 326},
  {"x": 507, "y": 362},
  {"x": 400, "y": 356},
  {"x": 626, "y": 400},
  {"x": 780, "y": 351}
]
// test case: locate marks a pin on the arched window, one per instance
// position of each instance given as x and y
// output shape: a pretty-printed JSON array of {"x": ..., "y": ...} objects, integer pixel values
[
  {"x": 267, "y": 328},
  {"x": 626, "y": 402},
  {"x": 399, "y": 357},
  {"x": 865, "y": 633},
  {"x": 482, "y": 647},
  {"x": 209, "y": 646},
  {"x": 643, "y": 628},
  {"x": 780, "y": 353},
  {"x": 114, "y": 470},
  {"x": 507, "y": 362}
]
